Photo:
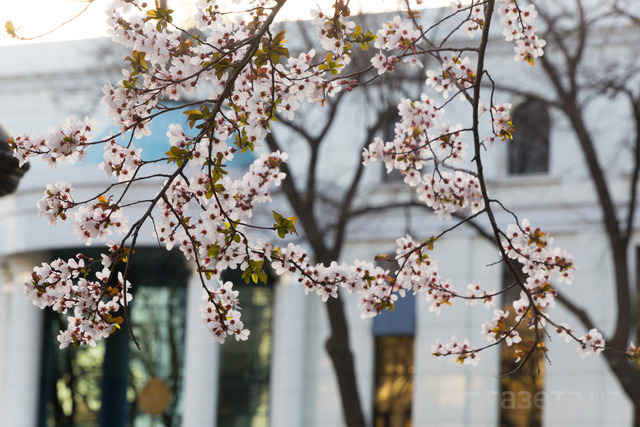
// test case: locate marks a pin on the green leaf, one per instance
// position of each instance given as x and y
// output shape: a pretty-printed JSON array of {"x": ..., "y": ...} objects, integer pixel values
[
  {"x": 221, "y": 66},
  {"x": 138, "y": 62},
  {"x": 260, "y": 58},
  {"x": 274, "y": 57},
  {"x": 178, "y": 155},
  {"x": 279, "y": 38},
  {"x": 213, "y": 251},
  {"x": 262, "y": 276},
  {"x": 162, "y": 15},
  {"x": 284, "y": 226},
  {"x": 254, "y": 272},
  {"x": 193, "y": 116}
]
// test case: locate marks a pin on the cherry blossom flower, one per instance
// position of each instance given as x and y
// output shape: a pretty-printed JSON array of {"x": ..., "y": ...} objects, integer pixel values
[
  {"x": 591, "y": 343},
  {"x": 56, "y": 202}
]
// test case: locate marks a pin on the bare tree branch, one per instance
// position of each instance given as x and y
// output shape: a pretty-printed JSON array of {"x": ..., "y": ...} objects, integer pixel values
[{"x": 347, "y": 201}]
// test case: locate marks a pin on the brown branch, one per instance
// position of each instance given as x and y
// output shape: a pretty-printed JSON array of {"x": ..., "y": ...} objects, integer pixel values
[
  {"x": 350, "y": 195},
  {"x": 314, "y": 235},
  {"x": 295, "y": 127},
  {"x": 635, "y": 104},
  {"x": 414, "y": 204},
  {"x": 577, "y": 311},
  {"x": 572, "y": 110},
  {"x": 571, "y": 106},
  {"x": 314, "y": 144},
  {"x": 535, "y": 96}
]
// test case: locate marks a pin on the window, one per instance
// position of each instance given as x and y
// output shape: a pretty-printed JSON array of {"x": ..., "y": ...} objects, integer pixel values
[
  {"x": 111, "y": 384},
  {"x": 518, "y": 404},
  {"x": 243, "y": 397},
  {"x": 528, "y": 152},
  {"x": 394, "y": 381},
  {"x": 155, "y": 145},
  {"x": 394, "y": 345}
]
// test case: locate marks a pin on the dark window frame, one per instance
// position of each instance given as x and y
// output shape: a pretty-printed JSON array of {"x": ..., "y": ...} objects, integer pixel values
[
  {"x": 528, "y": 152},
  {"x": 518, "y": 405},
  {"x": 110, "y": 379},
  {"x": 243, "y": 382},
  {"x": 394, "y": 380},
  {"x": 394, "y": 347}
]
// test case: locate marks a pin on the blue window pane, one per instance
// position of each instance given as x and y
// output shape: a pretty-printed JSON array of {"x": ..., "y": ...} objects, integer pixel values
[
  {"x": 402, "y": 321},
  {"x": 157, "y": 144}
]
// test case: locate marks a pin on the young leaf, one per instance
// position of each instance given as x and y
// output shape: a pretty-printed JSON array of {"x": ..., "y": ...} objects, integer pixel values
[{"x": 10, "y": 28}]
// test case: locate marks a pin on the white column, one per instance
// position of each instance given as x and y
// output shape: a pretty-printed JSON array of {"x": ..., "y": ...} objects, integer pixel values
[
  {"x": 202, "y": 360},
  {"x": 5, "y": 317},
  {"x": 24, "y": 344},
  {"x": 288, "y": 355}
]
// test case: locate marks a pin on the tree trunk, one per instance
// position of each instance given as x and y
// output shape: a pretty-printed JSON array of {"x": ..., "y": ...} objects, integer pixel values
[
  {"x": 337, "y": 346},
  {"x": 628, "y": 377}
]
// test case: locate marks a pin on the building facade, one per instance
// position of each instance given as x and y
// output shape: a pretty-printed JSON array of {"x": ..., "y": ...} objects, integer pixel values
[{"x": 282, "y": 376}]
